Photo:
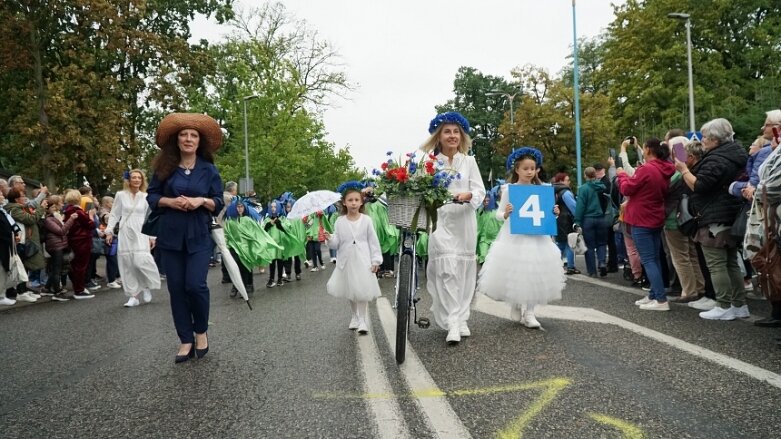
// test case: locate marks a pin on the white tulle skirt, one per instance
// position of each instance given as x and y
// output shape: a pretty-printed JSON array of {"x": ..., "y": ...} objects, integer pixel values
[
  {"x": 522, "y": 269},
  {"x": 354, "y": 281}
]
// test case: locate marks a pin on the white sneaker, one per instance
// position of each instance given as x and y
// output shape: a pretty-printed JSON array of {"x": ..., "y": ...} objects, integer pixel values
[
  {"x": 362, "y": 328},
  {"x": 307, "y": 263},
  {"x": 741, "y": 312},
  {"x": 719, "y": 313},
  {"x": 7, "y": 302},
  {"x": 530, "y": 321},
  {"x": 704, "y": 304},
  {"x": 644, "y": 301},
  {"x": 132, "y": 302},
  {"x": 115, "y": 285},
  {"x": 25, "y": 298},
  {"x": 147, "y": 296},
  {"x": 748, "y": 286},
  {"x": 313, "y": 270},
  {"x": 463, "y": 330},
  {"x": 453, "y": 335},
  {"x": 333, "y": 260},
  {"x": 354, "y": 323},
  {"x": 284, "y": 275},
  {"x": 656, "y": 306},
  {"x": 32, "y": 294}
]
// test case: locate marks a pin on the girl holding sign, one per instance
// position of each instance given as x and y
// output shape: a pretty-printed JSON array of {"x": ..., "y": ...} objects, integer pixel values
[{"x": 522, "y": 270}]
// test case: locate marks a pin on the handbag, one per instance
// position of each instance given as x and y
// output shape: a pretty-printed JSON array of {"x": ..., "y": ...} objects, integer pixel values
[
  {"x": 752, "y": 240},
  {"x": 16, "y": 272},
  {"x": 28, "y": 248},
  {"x": 577, "y": 243},
  {"x": 738, "y": 229},
  {"x": 151, "y": 224},
  {"x": 98, "y": 246},
  {"x": 767, "y": 261},
  {"x": 687, "y": 223}
]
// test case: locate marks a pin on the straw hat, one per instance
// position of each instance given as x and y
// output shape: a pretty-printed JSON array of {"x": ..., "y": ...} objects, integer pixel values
[{"x": 207, "y": 127}]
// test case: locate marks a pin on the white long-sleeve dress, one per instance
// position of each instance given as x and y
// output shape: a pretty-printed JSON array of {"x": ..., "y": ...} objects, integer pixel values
[
  {"x": 452, "y": 263},
  {"x": 358, "y": 248},
  {"x": 521, "y": 269},
  {"x": 136, "y": 265}
]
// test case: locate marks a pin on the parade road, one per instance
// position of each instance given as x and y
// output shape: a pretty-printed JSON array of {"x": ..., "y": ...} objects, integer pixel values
[{"x": 290, "y": 368}]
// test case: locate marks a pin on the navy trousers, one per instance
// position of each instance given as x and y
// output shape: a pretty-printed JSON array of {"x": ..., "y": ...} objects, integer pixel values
[{"x": 186, "y": 277}]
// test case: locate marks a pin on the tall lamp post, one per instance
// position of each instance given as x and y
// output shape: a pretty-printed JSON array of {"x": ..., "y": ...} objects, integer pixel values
[
  {"x": 687, "y": 19},
  {"x": 247, "y": 185},
  {"x": 510, "y": 98},
  {"x": 576, "y": 81}
]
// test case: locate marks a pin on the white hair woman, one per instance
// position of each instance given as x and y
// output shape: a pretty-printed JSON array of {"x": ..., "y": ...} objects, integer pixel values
[{"x": 452, "y": 267}]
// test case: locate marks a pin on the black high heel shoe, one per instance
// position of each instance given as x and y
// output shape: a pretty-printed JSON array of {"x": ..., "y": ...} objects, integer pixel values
[
  {"x": 200, "y": 353},
  {"x": 183, "y": 358}
]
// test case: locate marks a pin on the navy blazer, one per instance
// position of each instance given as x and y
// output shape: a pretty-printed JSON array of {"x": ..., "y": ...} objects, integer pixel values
[{"x": 181, "y": 230}]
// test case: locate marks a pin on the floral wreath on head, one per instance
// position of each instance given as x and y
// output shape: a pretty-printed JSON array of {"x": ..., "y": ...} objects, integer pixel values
[
  {"x": 350, "y": 185},
  {"x": 449, "y": 117},
  {"x": 526, "y": 151}
]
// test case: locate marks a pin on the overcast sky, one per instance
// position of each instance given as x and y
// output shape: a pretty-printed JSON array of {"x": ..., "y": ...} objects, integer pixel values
[{"x": 403, "y": 56}]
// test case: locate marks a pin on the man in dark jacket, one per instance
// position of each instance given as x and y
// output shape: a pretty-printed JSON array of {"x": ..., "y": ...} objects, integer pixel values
[{"x": 716, "y": 209}]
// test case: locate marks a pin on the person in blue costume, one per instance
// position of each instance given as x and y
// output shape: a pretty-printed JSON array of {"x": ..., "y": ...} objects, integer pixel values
[{"x": 186, "y": 190}]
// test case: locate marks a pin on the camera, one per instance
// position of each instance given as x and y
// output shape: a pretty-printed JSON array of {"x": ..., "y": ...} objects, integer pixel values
[{"x": 630, "y": 139}]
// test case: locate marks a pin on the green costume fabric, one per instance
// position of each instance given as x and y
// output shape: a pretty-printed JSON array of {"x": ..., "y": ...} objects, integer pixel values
[
  {"x": 251, "y": 243},
  {"x": 294, "y": 240},
  {"x": 313, "y": 226},
  {"x": 487, "y": 228},
  {"x": 387, "y": 234},
  {"x": 421, "y": 246},
  {"x": 276, "y": 234}
]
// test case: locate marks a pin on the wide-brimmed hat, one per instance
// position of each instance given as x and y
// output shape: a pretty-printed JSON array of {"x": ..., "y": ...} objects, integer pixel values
[{"x": 207, "y": 127}]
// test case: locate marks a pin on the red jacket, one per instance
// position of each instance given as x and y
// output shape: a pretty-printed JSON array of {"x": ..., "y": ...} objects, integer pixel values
[
  {"x": 646, "y": 191},
  {"x": 81, "y": 230}
]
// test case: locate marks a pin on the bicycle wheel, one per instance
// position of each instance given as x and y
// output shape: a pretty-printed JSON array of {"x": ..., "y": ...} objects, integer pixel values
[{"x": 406, "y": 283}]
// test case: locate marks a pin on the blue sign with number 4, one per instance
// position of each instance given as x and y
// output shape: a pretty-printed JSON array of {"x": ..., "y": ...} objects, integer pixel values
[{"x": 532, "y": 210}]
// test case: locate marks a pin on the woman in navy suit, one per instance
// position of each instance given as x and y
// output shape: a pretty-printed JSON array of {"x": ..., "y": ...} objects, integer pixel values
[{"x": 186, "y": 190}]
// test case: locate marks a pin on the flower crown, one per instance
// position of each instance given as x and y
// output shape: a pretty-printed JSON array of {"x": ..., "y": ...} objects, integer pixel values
[
  {"x": 526, "y": 151},
  {"x": 352, "y": 184},
  {"x": 449, "y": 117}
]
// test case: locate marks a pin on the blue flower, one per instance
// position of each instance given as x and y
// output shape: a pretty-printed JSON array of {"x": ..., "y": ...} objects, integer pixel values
[
  {"x": 458, "y": 176},
  {"x": 352, "y": 184},
  {"x": 389, "y": 153},
  {"x": 449, "y": 117},
  {"x": 412, "y": 167},
  {"x": 526, "y": 151}
]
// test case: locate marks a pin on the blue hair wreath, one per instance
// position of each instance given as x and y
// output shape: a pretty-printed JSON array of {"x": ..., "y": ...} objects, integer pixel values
[
  {"x": 449, "y": 117},
  {"x": 352, "y": 184},
  {"x": 526, "y": 151}
]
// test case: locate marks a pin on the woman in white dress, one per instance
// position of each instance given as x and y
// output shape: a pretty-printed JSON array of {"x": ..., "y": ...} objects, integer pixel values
[
  {"x": 137, "y": 267},
  {"x": 359, "y": 258},
  {"x": 452, "y": 267}
]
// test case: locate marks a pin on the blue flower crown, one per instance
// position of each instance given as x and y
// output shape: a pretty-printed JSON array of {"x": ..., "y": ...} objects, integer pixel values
[
  {"x": 352, "y": 184},
  {"x": 449, "y": 117},
  {"x": 526, "y": 151}
]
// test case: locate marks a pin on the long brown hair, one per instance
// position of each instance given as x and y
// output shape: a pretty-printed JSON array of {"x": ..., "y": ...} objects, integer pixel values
[
  {"x": 167, "y": 160},
  {"x": 512, "y": 177}
]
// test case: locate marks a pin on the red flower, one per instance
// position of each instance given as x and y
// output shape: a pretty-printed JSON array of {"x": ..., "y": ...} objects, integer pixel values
[
  {"x": 430, "y": 168},
  {"x": 384, "y": 166}
]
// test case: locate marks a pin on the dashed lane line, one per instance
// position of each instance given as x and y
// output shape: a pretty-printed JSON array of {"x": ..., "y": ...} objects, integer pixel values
[
  {"x": 440, "y": 417},
  {"x": 502, "y": 310},
  {"x": 385, "y": 411}
]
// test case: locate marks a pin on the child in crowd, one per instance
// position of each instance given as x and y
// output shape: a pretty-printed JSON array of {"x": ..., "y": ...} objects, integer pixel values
[
  {"x": 316, "y": 231},
  {"x": 297, "y": 248},
  {"x": 272, "y": 224},
  {"x": 359, "y": 256},
  {"x": 522, "y": 270},
  {"x": 487, "y": 225}
]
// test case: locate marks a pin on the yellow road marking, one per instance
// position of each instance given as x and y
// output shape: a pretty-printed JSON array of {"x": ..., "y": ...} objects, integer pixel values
[
  {"x": 552, "y": 389},
  {"x": 629, "y": 430}
]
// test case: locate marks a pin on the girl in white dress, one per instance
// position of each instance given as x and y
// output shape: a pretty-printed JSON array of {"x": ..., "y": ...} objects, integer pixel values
[
  {"x": 452, "y": 263},
  {"x": 359, "y": 258},
  {"x": 522, "y": 270},
  {"x": 137, "y": 266}
]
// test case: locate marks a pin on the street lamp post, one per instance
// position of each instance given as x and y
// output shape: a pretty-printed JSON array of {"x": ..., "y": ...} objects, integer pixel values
[
  {"x": 576, "y": 82},
  {"x": 687, "y": 19},
  {"x": 510, "y": 98},
  {"x": 247, "y": 187}
]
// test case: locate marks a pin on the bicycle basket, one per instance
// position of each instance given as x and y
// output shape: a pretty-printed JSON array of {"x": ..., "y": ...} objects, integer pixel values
[{"x": 401, "y": 209}]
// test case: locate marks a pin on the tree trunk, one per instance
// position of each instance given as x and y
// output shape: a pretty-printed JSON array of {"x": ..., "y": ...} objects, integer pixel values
[{"x": 47, "y": 176}]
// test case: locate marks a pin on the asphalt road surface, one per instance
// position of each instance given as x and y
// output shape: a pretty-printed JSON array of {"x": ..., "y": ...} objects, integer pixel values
[{"x": 291, "y": 369}]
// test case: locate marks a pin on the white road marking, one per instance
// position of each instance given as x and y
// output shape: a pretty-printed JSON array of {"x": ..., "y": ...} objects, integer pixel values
[
  {"x": 386, "y": 412},
  {"x": 440, "y": 417},
  {"x": 502, "y": 310},
  {"x": 636, "y": 292}
]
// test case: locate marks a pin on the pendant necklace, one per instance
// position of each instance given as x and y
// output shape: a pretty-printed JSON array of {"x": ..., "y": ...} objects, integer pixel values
[{"x": 187, "y": 169}]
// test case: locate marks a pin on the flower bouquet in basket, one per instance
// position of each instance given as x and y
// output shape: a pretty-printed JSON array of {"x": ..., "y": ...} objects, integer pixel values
[{"x": 415, "y": 189}]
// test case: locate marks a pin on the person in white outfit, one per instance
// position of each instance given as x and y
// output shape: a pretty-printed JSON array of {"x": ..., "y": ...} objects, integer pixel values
[
  {"x": 360, "y": 256},
  {"x": 522, "y": 270},
  {"x": 137, "y": 266},
  {"x": 452, "y": 267}
]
